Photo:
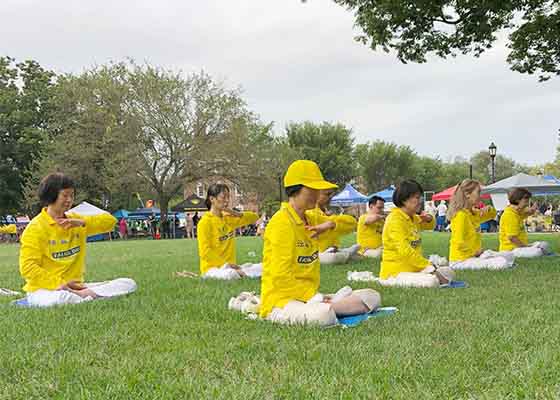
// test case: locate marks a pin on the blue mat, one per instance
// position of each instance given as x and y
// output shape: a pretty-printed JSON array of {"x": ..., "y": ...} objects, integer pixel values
[
  {"x": 21, "y": 303},
  {"x": 356, "y": 320},
  {"x": 455, "y": 285}
]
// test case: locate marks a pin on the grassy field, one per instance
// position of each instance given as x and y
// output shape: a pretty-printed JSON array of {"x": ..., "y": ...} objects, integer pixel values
[{"x": 175, "y": 338}]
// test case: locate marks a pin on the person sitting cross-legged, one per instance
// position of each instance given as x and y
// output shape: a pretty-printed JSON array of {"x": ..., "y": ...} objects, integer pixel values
[
  {"x": 330, "y": 251},
  {"x": 53, "y": 250},
  {"x": 466, "y": 250},
  {"x": 291, "y": 269},
  {"x": 513, "y": 234},
  {"x": 370, "y": 228},
  {"x": 403, "y": 263},
  {"x": 216, "y": 233}
]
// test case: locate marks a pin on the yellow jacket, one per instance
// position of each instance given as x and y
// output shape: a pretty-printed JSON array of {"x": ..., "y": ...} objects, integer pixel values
[
  {"x": 51, "y": 256},
  {"x": 370, "y": 236},
  {"x": 8, "y": 229},
  {"x": 344, "y": 224},
  {"x": 466, "y": 239},
  {"x": 216, "y": 238},
  {"x": 512, "y": 223},
  {"x": 402, "y": 244},
  {"x": 291, "y": 269}
]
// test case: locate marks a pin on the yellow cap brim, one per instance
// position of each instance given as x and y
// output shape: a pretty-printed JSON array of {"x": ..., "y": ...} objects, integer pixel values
[{"x": 320, "y": 185}]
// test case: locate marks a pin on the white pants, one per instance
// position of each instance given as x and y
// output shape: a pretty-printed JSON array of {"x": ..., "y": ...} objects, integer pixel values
[
  {"x": 338, "y": 256},
  {"x": 488, "y": 260},
  {"x": 314, "y": 312},
  {"x": 537, "y": 249},
  {"x": 227, "y": 273},
  {"x": 424, "y": 279},
  {"x": 49, "y": 298},
  {"x": 373, "y": 253}
]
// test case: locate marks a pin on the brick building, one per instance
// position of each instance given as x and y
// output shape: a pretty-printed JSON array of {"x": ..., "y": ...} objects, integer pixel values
[{"x": 239, "y": 200}]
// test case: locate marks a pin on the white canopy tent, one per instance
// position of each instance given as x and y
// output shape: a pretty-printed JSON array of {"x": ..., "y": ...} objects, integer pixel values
[
  {"x": 84, "y": 208},
  {"x": 538, "y": 186}
]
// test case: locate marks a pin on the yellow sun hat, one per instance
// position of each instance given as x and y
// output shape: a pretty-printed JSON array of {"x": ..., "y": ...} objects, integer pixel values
[{"x": 308, "y": 174}]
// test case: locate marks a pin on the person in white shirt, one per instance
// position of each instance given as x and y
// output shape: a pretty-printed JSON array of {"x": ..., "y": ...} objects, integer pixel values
[{"x": 441, "y": 216}]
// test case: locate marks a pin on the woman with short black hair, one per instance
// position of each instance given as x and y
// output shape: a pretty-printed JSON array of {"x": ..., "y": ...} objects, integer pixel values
[
  {"x": 216, "y": 237},
  {"x": 53, "y": 249},
  {"x": 403, "y": 262},
  {"x": 513, "y": 234}
]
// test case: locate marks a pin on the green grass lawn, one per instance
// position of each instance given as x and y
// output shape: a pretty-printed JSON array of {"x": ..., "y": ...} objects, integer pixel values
[{"x": 175, "y": 338}]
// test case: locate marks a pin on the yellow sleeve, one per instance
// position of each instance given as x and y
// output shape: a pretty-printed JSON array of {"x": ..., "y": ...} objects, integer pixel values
[
  {"x": 488, "y": 215},
  {"x": 247, "y": 218},
  {"x": 204, "y": 239},
  {"x": 9, "y": 229},
  {"x": 30, "y": 257},
  {"x": 404, "y": 247},
  {"x": 97, "y": 224},
  {"x": 459, "y": 234},
  {"x": 344, "y": 224},
  {"x": 425, "y": 226},
  {"x": 281, "y": 240}
]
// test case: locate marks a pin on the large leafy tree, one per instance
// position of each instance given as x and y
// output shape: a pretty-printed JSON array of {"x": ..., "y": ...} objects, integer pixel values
[
  {"x": 417, "y": 29},
  {"x": 382, "y": 164},
  {"x": 331, "y": 146},
  {"x": 27, "y": 105}
]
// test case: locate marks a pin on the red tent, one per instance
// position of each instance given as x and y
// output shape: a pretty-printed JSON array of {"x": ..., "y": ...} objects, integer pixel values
[{"x": 447, "y": 194}]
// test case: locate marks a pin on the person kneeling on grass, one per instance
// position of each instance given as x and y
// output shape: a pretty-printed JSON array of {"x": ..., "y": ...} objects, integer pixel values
[
  {"x": 403, "y": 262},
  {"x": 329, "y": 241},
  {"x": 216, "y": 237},
  {"x": 513, "y": 234},
  {"x": 370, "y": 228},
  {"x": 466, "y": 240},
  {"x": 53, "y": 250},
  {"x": 291, "y": 268}
]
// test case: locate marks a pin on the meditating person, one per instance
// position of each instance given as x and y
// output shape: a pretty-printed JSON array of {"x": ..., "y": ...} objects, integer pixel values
[
  {"x": 370, "y": 228},
  {"x": 330, "y": 251},
  {"x": 403, "y": 262},
  {"x": 53, "y": 250},
  {"x": 216, "y": 232},
  {"x": 513, "y": 234},
  {"x": 466, "y": 239},
  {"x": 291, "y": 268}
]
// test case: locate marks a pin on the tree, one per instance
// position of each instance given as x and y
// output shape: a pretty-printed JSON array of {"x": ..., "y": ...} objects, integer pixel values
[
  {"x": 26, "y": 112},
  {"x": 189, "y": 127},
  {"x": 97, "y": 142},
  {"x": 445, "y": 28},
  {"x": 505, "y": 167},
  {"x": 331, "y": 146},
  {"x": 382, "y": 164}
]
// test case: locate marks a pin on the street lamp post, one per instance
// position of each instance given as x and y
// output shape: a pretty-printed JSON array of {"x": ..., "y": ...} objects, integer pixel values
[{"x": 493, "y": 150}]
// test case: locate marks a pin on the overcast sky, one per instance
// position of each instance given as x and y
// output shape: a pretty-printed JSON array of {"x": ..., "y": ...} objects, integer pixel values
[{"x": 299, "y": 62}]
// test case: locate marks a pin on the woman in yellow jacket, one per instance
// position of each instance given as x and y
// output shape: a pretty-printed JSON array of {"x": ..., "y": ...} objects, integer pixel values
[
  {"x": 329, "y": 241},
  {"x": 216, "y": 233},
  {"x": 370, "y": 228},
  {"x": 403, "y": 262},
  {"x": 291, "y": 268},
  {"x": 513, "y": 234},
  {"x": 53, "y": 250},
  {"x": 466, "y": 250}
]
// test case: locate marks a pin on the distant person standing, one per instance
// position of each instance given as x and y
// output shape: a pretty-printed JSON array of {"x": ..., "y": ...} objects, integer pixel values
[
  {"x": 189, "y": 226},
  {"x": 441, "y": 216},
  {"x": 195, "y": 218},
  {"x": 123, "y": 229}
]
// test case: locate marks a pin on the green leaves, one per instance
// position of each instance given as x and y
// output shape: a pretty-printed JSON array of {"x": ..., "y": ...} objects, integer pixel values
[{"x": 416, "y": 30}]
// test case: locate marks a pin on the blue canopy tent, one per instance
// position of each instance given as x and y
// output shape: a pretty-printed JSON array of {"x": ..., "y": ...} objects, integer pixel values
[
  {"x": 144, "y": 213},
  {"x": 386, "y": 194},
  {"x": 120, "y": 214},
  {"x": 348, "y": 197}
]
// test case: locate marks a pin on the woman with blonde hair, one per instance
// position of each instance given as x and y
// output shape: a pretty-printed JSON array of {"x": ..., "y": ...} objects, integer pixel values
[{"x": 466, "y": 240}]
